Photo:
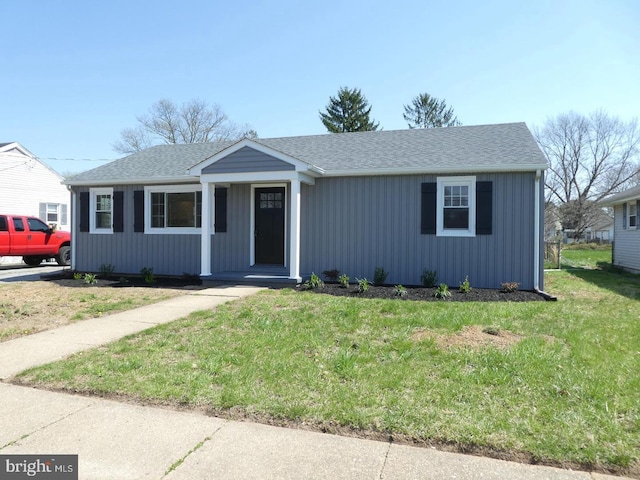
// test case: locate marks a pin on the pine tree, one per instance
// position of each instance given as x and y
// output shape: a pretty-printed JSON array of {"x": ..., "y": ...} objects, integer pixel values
[
  {"x": 426, "y": 111},
  {"x": 348, "y": 112}
]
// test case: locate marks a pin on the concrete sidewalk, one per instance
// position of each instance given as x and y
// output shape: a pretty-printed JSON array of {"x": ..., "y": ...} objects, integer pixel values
[{"x": 123, "y": 441}]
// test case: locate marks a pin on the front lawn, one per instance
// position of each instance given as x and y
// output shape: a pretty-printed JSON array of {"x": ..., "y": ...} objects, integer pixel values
[{"x": 550, "y": 382}]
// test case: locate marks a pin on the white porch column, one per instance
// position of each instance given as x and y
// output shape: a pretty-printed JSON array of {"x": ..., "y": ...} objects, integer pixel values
[
  {"x": 294, "y": 240},
  {"x": 206, "y": 230}
]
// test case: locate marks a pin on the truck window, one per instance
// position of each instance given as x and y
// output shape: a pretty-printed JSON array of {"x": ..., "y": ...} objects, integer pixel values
[
  {"x": 36, "y": 225},
  {"x": 18, "y": 224},
  {"x": 4, "y": 227}
]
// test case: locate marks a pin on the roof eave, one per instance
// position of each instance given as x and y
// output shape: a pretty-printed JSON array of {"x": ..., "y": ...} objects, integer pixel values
[
  {"x": 435, "y": 170},
  {"x": 132, "y": 181}
]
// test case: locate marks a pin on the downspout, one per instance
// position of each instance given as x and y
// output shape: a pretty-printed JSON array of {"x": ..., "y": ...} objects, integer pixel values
[
  {"x": 536, "y": 233},
  {"x": 536, "y": 241},
  {"x": 72, "y": 217}
]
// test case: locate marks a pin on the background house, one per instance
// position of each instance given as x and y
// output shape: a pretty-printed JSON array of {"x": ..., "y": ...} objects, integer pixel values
[
  {"x": 459, "y": 201},
  {"x": 626, "y": 228},
  {"x": 29, "y": 187}
]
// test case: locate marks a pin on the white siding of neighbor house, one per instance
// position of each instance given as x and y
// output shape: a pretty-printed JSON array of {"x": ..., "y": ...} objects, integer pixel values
[
  {"x": 25, "y": 183},
  {"x": 626, "y": 252}
]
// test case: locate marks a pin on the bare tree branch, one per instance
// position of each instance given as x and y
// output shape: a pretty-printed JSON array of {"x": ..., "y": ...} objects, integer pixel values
[
  {"x": 589, "y": 158},
  {"x": 193, "y": 122}
]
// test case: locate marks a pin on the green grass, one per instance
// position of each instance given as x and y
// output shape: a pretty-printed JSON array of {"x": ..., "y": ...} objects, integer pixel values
[
  {"x": 585, "y": 258},
  {"x": 567, "y": 392}
]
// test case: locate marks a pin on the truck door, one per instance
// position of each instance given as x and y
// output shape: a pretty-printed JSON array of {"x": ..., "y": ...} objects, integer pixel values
[
  {"x": 19, "y": 242},
  {"x": 5, "y": 237},
  {"x": 38, "y": 237}
]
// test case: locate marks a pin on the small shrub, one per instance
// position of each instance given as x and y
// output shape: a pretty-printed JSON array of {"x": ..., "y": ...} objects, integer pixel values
[
  {"x": 314, "y": 282},
  {"x": 106, "y": 270},
  {"x": 442, "y": 291},
  {"x": 149, "y": 277},
  {"x": 429, "y": 278},
  {"x": 344, "y": 280},
  {"x": 90, "y": 278},
  {"x": 399, "y": 291},
  {"x": 77, "y": 276},
  {"x": 331, "y": 275},
  {"x": 123, "y": 280},
  {"x": 509, "y": 287},
  {"x": 379, "y": 275},
  {"x": 363, "y": 285},
  {"x": 465, "y": 287}
]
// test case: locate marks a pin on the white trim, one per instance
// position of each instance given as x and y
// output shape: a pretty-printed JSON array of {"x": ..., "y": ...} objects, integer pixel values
[
  {"x": 470, "y": 182},
  {"x": 148, "y": 190},
  {"x": 294, "y": 232},
  {"x": 93, "y": 193},
  {"x": 208, "y": 206},
  {"x": 74, "y": 227},
  {"x": 249, "y": 177},
  {"x": 536, "y": 233},
  {"x": 130, "y": 181},
  {"x": 252, "y": 216},
  {"x": 429, "y": 170}
]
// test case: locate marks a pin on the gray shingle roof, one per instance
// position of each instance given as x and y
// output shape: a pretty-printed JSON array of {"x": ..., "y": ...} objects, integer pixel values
[
  {"x": 476, "y": 148},
  {"x": 624, "y": 196}
]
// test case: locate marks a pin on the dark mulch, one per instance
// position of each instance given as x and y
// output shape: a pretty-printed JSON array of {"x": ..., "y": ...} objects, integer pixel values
[{"x": 428, "y": 294}]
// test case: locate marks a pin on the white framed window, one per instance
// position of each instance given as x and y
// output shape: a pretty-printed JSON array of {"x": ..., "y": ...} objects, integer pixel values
[
  {"x": 456, "y": 206},
  {"x": 101, "y": 210},
  {"x": 52, "y": 212},
  {"x": 632, "y": 214},
  {"x": 173, "y": 209}
]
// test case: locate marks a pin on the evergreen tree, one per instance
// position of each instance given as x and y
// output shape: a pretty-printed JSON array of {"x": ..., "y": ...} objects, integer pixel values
[
  {"x": 348, "y": 112},
  {"x": 426, "y": 111}
]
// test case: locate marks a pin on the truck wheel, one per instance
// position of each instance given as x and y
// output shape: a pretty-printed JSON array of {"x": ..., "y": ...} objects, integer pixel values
[
  {"x": 64, "y": 256},
  {"x": 32, "y": 261}
]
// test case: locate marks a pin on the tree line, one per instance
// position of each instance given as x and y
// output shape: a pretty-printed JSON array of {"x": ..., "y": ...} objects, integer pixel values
[{"x": 590, "y": 156}]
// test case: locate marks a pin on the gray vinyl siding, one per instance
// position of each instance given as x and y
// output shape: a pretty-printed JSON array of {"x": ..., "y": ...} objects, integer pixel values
[
  {"x": 357, "y": 223},
  {"x": 248, "y": 160},
  {"x": 627, "y": 243},
  {"x": 129, "y": 252},
  {"x": 171, "y": 254}
]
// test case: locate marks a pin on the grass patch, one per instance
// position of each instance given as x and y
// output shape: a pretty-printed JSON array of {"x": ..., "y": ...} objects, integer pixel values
[
  {"x": 565, "y": 391},
  {"x": 585, "y": 257}
]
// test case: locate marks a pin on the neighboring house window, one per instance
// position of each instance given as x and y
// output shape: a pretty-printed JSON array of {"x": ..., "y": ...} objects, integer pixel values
[
  {"x": 456, "y": 207},
  {"x": 632, "y": 219},
  {"x": 54, "y": 213},
  {"x": 173, "y": 209},
  {"x": 101, "y": 210}
]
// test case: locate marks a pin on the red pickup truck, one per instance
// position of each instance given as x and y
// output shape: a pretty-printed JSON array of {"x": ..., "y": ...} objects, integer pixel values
[{"x": 33, "y": 240}]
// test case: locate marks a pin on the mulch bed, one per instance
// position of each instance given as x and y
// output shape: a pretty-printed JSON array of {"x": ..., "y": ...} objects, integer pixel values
[{"x": 428, "y": 294}]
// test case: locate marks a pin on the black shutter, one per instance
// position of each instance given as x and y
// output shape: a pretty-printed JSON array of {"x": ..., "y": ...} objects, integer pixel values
[
  {"x": 484, "y": 208},
  {"x": 118, "y": 211},
  {"x": 428, "y": 208},
  {"x": 221, "y": 210},
  {"x": 138, "y": 210},
  {"x": 624, "y": 215},
  {"x": 83, "y": 211}
]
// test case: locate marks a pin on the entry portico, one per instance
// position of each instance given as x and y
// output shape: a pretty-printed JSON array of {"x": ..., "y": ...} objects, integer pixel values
[{"x": 275, "y": 180}]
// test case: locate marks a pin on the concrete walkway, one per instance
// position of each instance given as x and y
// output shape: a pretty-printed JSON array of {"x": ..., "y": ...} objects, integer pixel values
[{"x": 122, "y": 441}]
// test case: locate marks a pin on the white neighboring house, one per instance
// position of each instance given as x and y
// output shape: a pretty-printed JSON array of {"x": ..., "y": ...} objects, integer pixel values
[
  {"x": 627, "y": 228},
  {"x": 29, "y": 187}
]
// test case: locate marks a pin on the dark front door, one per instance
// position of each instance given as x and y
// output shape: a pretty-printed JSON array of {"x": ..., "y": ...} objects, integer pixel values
[{"x": 269, "y": 227}]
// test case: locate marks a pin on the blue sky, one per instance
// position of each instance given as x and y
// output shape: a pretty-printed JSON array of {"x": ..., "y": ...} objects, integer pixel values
[{"x": 75, "y": 73}]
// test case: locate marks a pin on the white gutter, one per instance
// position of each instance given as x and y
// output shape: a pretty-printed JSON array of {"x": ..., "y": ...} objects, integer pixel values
[
  {"x": 536, "y": 234},
  {"x": 73, "y": 215}
]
